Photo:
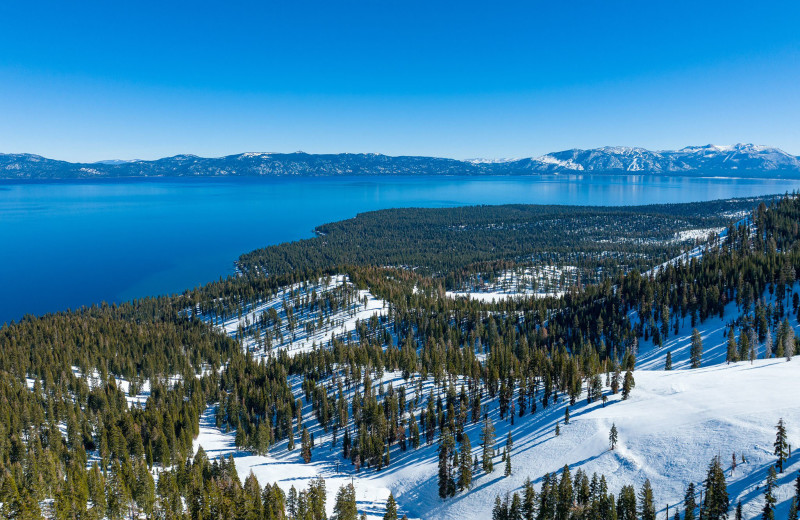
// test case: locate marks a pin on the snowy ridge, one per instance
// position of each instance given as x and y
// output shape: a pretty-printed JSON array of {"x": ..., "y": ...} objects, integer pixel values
[{"x": 739, "y": 160}]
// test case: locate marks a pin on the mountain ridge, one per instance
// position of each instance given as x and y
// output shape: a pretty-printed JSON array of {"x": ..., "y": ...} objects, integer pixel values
[{"x": 739, "y": 160}]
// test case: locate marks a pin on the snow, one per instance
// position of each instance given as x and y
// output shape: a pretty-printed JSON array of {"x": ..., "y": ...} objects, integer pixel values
[
  {"x": 674, "y": 423},
  {"x": 713, "y": 332},
  {"x": 669, "y": 430},
  {"x": 695, "y": 234},
  {"x": 530, "y": 282},
  {"x": 550, "y": 160},
  {"x": 490, "y": 297},
  {"x": 287, "y": 469},
  {"x": 339, "y": 324}
]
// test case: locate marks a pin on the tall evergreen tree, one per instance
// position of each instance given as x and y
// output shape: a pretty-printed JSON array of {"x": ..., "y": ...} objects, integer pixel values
[
  {"x": 715, "y": 500},
  {"x": 345, "y": 507},
  {"x": 487, "y": 443},
  {"x": 731, "y": 354},
  {"x": 528, "y": 501},
  {"x": 647, "y": 507},
  {"x": 565, "y": 495},
  {"x": 626, "y": 504},
  {"x": 768, "y": 511},
  {"x": 305, "y": 446},
  {"x": 465, "y": 464},
  {"x": 391, "y": 508},
  {"x": 689, "y": 502},
  {"x": 447, "y": 484},
  {"x": 780, "y": 444},
  {"x": 696, "y": 350},
  {"x": 548, "y": 498},
  {"x": 515, "y": 509},
  {"x": 613, "y": 436}
]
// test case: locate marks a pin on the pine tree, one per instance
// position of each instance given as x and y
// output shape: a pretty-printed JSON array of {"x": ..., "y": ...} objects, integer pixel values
[
  {"x": 499, "y": 511},
  {"x": 689, "y": 502},
  {"x": 780, "y": 444},
  {"x": 794, "y": 512},
  {"x": 528, "y": 501},
  {"x": 487, "y": 442},
  {"x": 744, "y": 345},
  {"x": 715, "y": 501},
  {"x": 291, "y": 503},
  {"x": 612, "y": 436},
  {"x": 768, "y": 345},
  {"x": 515, "y": 509},
  {"x": 565, "y": 495},
  {"x": 566, "y": 415},
  {"x": 788, "y": 340},
  {"x": 628, "y": 384},
  {"x": 668, "y": 362},
  {"x": 447, "y": 485},
  {"x": 465, "y": 464},
  {"x": 345, "y": 507},
  {"x": 626, "y": 504},
  {"x": 696, "y": 351},
  {"x": 647, "y": 507},
  {"x": 507, "y": 471},
  {"x": 768, "y": 512},
  {"x": 730, "y": 355},
  {"x": 305, "y": 446},
  {"x": 738, "y": 515},
  {"x": 391, "y": 508},
  {"x": 547, "y": 498}
]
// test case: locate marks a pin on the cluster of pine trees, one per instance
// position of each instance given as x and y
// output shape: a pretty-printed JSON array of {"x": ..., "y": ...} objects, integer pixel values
[{"x": 563, "y": 497}]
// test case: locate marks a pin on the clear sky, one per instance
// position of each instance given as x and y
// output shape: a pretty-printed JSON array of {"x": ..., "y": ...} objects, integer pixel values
[{"x": 127, "y": 79}]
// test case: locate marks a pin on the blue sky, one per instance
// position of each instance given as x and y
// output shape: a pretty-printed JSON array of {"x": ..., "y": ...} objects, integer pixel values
[{"x": 101, "y": 80}]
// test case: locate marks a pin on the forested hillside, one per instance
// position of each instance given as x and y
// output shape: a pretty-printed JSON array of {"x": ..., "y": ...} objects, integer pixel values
[
  {"x": 342, "y": 357},
  {"x": 455, "y": 243}
]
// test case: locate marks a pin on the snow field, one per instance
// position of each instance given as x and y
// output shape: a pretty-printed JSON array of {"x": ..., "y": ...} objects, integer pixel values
[
  {"x": 339, "y": 324},
  {"x": 537, "y": 282},
  {"x": 713, "y": 332}
]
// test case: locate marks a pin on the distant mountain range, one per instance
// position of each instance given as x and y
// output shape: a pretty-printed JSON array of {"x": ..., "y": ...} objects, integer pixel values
[{"x": 740, "y": 160}]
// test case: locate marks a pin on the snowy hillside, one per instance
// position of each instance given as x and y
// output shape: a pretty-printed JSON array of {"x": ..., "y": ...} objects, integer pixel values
[
  {"x": 670, "y": 428},
  {"x": 522, "y": 282},
  {"x": 298, "y": 317}
]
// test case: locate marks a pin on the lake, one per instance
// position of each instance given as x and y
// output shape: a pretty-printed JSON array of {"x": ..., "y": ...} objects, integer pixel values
[{"x": 64, "y": 245}]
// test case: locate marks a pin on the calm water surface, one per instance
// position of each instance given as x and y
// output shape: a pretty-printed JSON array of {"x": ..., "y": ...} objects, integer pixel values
[{"x": 64, "y": 245}]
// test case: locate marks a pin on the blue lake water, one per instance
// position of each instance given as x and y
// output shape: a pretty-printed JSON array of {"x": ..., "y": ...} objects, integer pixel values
[{"x": 64, "y": 245}]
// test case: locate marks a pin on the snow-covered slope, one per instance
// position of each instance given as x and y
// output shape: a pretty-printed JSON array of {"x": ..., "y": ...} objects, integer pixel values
[
  {"x": 669, "y": 430},
  {"x": 306, "y": 329},
  {"x": 709, "y": 158}
]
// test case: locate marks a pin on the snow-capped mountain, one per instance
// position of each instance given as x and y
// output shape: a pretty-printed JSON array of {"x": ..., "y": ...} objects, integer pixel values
[
  {"x": 740, "y": 160},
  {"x": 692, "y": 159}
]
